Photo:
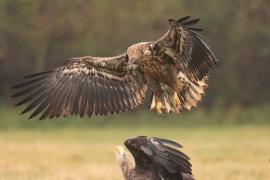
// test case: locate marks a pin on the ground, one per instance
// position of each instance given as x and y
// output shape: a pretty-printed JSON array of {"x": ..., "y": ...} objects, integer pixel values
[{"x": 230, "y": 152}]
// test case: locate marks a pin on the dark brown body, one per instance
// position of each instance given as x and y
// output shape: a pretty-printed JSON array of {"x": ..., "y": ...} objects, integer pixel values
[
  {"x": 154, "y": 174},
  {"x": 155, "y": 160},
  {"x": 161, "y": 76},
  {"x": 163, "y": 72}
]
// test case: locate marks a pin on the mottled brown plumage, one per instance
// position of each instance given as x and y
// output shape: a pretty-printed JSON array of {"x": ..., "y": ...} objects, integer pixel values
[
  {"x": 174, "y": 68},
  {"x": 153, "y": 159}
]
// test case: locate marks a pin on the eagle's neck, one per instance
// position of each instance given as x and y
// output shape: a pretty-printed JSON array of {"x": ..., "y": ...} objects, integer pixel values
[{"x": 127, "y": 166}]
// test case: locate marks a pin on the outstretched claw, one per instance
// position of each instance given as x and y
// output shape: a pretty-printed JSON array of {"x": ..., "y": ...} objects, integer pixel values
[
  {"x": 159, "y": 105},
  {"x": 176, "y": 101},
  {"x": 161, "y": 109}
]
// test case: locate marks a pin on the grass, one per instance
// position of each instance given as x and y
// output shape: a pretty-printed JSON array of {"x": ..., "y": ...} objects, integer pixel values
[
  {"x": 10, "y": 118},
  {"x": 238, "y": 153}
]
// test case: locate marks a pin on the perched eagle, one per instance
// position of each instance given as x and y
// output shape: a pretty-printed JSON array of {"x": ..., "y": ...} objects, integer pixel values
[
  {"x": 154, "y": 159},
  {"x": 174, "y": 69}
]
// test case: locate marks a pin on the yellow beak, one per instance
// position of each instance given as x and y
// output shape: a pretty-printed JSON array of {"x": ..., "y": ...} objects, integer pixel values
[{"x": 119, "y": 150}]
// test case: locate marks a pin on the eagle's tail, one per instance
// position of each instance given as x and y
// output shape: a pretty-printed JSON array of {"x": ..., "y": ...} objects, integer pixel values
[{"x": 188, "y": 96}]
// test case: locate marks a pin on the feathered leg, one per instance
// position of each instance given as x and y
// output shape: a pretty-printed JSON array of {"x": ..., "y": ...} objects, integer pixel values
[
  {"x": 158, "y": 101},
  {"x": 172, "y": 100}
]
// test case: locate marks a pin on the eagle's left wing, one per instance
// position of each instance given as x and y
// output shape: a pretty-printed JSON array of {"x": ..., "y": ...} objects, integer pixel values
[
  {"x": 186, "y": 48},
  {"x": 83, "y": 86}
]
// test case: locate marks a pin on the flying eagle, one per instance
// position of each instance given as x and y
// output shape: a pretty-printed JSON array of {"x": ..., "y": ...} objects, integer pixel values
[
  {"x": 174, "y": 69},
  {"x": 154, "y": 159}
]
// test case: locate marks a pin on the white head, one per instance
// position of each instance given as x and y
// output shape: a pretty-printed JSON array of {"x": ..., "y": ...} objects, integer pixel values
[
  {"x": 124, "y": 160},
  {"x": 138, "y": 51},
  {"x": 121, "y": 155}
]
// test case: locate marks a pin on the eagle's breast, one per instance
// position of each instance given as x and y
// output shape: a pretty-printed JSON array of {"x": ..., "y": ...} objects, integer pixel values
[{"x": 159, "y": 71}]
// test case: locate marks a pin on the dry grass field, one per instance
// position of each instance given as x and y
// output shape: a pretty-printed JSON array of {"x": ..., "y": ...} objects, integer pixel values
[{"x": 220, "y": 153}]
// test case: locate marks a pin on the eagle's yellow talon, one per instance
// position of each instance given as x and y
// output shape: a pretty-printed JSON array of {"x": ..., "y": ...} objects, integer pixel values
[
  {"x": 159, "y": 107},
  {"x": 176, "y": 100}
]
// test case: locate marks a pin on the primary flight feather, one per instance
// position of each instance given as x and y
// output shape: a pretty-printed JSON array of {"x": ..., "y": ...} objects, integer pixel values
[{"x": 174, "y": 69}]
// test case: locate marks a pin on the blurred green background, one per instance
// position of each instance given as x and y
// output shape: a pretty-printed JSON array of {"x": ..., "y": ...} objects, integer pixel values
[{"x": 231, "y": 124}]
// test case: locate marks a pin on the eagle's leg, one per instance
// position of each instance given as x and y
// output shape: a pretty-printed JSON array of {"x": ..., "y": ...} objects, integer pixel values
[
  {"x": 158, "y": 100},
  {"x": 158, "y": 104},
  {"x": 176, "y": 101},
  {"x": 174, "y": 96},
  {"x": 172, "y": 99}
]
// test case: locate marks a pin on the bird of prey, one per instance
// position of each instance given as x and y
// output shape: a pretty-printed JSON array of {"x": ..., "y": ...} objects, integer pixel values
[
  {"x": 154, "y": 159},
  {"x": 174, "y": 69}
]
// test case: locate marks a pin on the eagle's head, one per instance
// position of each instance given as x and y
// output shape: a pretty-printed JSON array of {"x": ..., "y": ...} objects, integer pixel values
[
  {"x": 137, "y": 146},
  {"x": 137, "y": 52},
  {"x": 121, "y": 155}
]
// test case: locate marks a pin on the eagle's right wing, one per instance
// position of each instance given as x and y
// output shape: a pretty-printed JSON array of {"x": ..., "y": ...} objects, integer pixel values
[
  {"x": 83, "y": 85},
  {"x": 183, "y": 45}
]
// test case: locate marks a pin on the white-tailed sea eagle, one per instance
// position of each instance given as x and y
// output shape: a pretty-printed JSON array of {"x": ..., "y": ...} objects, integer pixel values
[{"x": 174, "y": 69}]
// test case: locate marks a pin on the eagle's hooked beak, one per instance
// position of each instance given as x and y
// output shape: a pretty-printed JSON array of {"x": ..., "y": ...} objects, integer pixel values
[
  {"x": 119, "y": 150},
  {"x": 132, "y": 64}
]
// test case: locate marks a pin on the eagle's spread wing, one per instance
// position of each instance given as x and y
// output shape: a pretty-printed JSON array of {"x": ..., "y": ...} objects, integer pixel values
[
  {"x": 186, "y": 48},
  {"x": 83, "y": 86},
  {"x": 162, "y": 155}
]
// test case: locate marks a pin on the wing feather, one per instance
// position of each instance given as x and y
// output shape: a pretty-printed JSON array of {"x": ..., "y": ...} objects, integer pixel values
[
  {"x": 183, "y": 19},
  {"x": 186, "y": 48},
  {"x": 49, "y": 100},
  {"x": 82, "y": 100},
  {"x": 83, "y": 85},
  {"x": 170, "y": 155},
  {"x": 90, "y": 97},
  {"x": 33, "y": 104},
  {"x": 108, "y": 95},
  {"x": 191, "y": 22},
  {"x": 30, "y": 97}
]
